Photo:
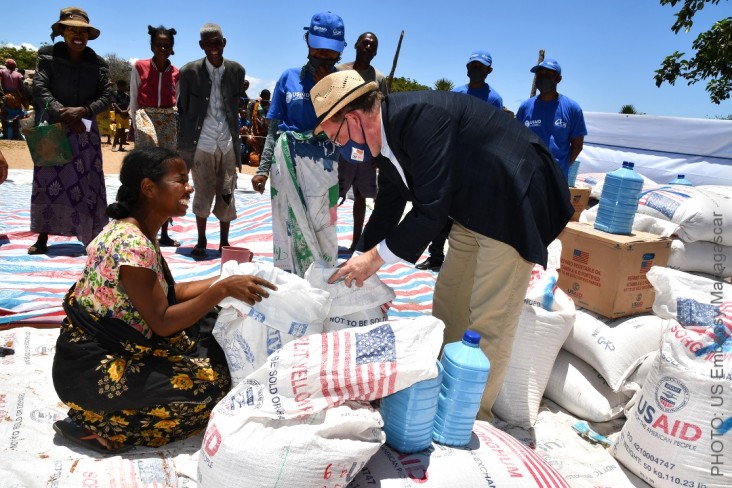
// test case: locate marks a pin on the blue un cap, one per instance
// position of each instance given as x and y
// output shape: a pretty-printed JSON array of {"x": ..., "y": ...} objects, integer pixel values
[
  {"x": 548, "y": 64},
  {"x": 483, "y": 57},
  {"x": 326, "y": 31}
]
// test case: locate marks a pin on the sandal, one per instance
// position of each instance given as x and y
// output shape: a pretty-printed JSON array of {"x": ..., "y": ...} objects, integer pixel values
[
  {"x": 38, "y": 249},
  {"x": 82, "y": 437},
  {"x": 168, "y": 241},
  {"x": 198, "y": 252}
]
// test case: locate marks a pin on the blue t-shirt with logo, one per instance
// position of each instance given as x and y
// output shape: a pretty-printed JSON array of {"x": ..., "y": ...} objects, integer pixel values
[
  {"x": 291, "y": 101},
  {"x": 485, "y": 93},
  {"x": 556, "y": 122}
]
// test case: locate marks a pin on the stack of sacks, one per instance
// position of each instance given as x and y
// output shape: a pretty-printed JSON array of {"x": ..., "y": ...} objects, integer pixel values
[
  {"x": 595, "y": 181},
  {"x": 248, "y": 334},
  {"x": 304, "y": 417},
  {"x": 590, "y": 376},
  {"x": 546, "y": 319},
  {"x": 679, "y": 424},
  {"x": 356, "y": 306},
  {"x": 695, "y": 216}
]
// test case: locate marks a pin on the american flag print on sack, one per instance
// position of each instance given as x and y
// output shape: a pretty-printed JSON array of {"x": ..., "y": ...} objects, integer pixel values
[
  {"x": 358, "y": 365},
  {"x": 580, "y": 256}
]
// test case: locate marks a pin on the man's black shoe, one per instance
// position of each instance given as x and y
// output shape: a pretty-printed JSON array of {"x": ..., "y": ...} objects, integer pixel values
[{"x": 430, "y": 263}]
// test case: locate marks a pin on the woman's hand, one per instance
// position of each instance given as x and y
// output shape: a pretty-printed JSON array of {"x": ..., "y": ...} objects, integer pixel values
[
  {"x": 69, "y": 115},
  {"x": 258, "y": 182},
  {"x": 247, "y": 288}
]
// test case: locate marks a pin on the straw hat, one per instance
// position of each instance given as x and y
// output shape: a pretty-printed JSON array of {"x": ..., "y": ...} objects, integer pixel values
[
  {"x": 73, "y": 17},
  {"x": 335, "y": 91}
]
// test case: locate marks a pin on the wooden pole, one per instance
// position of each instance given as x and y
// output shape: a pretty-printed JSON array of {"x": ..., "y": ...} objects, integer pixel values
[
  {"x": 533, "y": 83},
  {"x": 394, "y": 64}
]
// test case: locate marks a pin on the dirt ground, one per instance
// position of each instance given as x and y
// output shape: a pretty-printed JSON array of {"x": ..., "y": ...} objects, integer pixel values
[{"x": 18, "y": 157}]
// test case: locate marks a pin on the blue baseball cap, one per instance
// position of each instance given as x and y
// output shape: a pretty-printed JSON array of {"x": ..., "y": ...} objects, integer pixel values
[
  {"x": 548, "y": 64},
  {"x": 483, "y": 57},
  {"x": 326, "y": 31}
]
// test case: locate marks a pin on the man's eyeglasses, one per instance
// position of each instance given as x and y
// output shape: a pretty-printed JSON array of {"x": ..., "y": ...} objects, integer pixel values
[{"x": 335, "y": 138}]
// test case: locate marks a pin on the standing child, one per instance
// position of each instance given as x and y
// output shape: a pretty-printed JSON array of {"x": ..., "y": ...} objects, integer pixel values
[{"x": 153, "y": 89}]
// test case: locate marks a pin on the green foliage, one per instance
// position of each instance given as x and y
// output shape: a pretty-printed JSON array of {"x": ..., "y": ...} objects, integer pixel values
[
  {"x": 713, "y": 53},
  {"x": 24, "y": 58},
  {"x": 402, "y": 84},
  {"x": 628, "y": 109},
  {"x": 444, "y": 84},
  {"x": 119, "y": 69}
]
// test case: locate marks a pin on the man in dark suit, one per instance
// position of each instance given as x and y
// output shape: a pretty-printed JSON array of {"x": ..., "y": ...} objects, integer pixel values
[{"x": 459, "y": 157}]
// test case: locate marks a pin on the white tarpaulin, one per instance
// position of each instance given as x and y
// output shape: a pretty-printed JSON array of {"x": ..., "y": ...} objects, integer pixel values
[{"x": 660, "y": 147}]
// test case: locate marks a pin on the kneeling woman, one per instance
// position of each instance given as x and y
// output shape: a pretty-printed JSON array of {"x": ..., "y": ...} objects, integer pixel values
[{"x": 136, "y": 362}]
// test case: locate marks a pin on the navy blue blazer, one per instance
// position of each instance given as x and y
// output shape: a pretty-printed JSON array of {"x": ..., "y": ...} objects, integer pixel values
[{"x": 465, "y": 159}]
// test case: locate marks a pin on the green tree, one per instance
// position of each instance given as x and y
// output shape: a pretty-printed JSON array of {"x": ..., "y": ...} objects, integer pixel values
[
  {"x": 119, "y": 69},
  {"x": 712, "y": 57},
  {"x": 444, "y": 84},
  {"x": 402, "y": 84},
  {"x": 628, "y": 109},
  {"x": 24, "y": 58}
]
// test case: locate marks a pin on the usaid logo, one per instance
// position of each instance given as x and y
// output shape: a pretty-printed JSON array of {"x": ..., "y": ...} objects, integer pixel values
[
  {"x": 292, "y": 96},
  {"x": 533, "y": 123},
  {"x": 671, "y": 394},
  {"x": 249, "y": 394},
  {"x": 560, "y": 123},
  {"x": 320, "y": 29}
]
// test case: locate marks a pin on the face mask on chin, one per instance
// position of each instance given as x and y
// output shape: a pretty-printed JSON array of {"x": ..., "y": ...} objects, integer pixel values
[
  {"x": 546, "y": 85},
  {"x": 354, "y": 152},
  {"x": 315, "y": 63},
  {"x": 477, "y": 75}
]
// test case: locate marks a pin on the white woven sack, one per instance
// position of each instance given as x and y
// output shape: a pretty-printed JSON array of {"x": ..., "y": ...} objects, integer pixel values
[
  {"x": 701, "y": 257},
  {"x": 539, "y": 336},
  {"x": 693, "y": 301},
  {"x": 699, "y": 210},
  {"x": 493, "y": 458},
  {"x": 356, "y": 306},
  {"x": 614, "y": 347},
  {"x": 579, "y": 388},
  {"x": 248, "y": 334},
  {"x": 641, "y": 222},
  {"x": 302, "y": 420},
  {"x": 677, "y": 432},
  {"x": 638, "y": 378},
  {"x": 595, "y": 181}
]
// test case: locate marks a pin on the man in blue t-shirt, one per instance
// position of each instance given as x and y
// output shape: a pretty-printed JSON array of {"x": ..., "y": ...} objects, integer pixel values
[
  {"x": 557, "y": 119},
  {"x": 480, "y": 65}
]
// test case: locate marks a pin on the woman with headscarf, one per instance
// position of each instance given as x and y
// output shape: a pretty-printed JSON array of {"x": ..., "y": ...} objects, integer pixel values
[
  {"x": 153, "y": 89},
  {"x": 71, "y": 86}
]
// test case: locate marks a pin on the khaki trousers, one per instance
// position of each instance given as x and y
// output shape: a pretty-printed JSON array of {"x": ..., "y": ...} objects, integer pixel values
[{"x": 481, "y": 286}]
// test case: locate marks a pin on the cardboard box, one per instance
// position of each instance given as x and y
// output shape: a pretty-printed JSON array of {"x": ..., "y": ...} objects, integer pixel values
[
  {"x": 605, "y": 273},
  {"x": 579, "y": 198}
]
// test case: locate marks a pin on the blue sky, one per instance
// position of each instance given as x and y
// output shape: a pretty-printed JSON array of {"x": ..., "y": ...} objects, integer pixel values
[{"x": 608, "y": 50}]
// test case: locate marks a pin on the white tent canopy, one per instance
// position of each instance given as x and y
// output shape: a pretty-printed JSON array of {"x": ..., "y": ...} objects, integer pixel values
[{"x": 660, "y": 147}]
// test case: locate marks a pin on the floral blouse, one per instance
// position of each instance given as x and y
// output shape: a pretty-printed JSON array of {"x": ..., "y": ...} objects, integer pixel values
[{"x": 100, "y": 290}]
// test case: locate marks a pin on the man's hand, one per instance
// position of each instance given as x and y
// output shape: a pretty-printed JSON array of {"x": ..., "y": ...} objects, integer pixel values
[
  {"x": 358, "y": 269},
  {"x": 258, "y": 182}
]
